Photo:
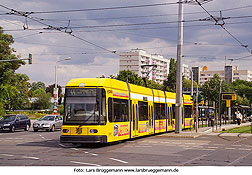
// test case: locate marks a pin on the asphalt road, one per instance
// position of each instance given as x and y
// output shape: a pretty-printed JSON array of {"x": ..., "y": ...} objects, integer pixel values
[{"x": 43, "y": 149}]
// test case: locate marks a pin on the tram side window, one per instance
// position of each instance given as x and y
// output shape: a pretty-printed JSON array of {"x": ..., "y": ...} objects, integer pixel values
[
  {"x": 173, "y": 111},
  {"x": 162, "y": 105},
  {"x": 118, "y": 110},
  {"x": 143, "y": 110},
  {"x": 188, "y": 111},
  {"x": 157, "y": 111}
]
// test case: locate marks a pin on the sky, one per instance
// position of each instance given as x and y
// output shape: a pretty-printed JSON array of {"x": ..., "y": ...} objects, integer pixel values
[{"x": 94, "y": 32}]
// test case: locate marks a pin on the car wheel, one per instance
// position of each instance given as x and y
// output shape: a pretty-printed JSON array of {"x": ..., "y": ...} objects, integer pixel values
[
  {"x": 27, "y": 128},
  {"x": 53, "y": 128},
  {"x": 12, "y": 129},
  {"x": 35, "y": 130}
]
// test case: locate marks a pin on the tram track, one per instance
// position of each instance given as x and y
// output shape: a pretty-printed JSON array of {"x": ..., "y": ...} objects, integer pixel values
[{"x": 224, "y": 147}]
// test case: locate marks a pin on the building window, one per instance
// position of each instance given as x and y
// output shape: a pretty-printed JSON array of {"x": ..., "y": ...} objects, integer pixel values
[
  {"x": 236, "y": 73},
  {"x": 202, "y": 75}
]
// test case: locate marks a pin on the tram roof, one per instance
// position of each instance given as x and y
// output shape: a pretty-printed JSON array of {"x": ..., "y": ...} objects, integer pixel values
[
  {"x": 120, "y": 85},
  {"x": 97, "y": 82}
]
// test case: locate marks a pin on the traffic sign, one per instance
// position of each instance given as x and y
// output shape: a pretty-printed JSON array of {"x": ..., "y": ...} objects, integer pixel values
[{"x": 228, "y": 96}]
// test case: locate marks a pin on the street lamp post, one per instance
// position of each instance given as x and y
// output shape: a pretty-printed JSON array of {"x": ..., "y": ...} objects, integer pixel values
[
  {"x": 178, "y": 107},
  {"x": 55, "y": 91},
  {"x": 178, "y": 111}
]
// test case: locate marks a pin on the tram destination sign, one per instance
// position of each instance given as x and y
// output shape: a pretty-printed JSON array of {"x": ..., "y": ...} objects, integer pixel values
[{"x": 80, "y": 92}]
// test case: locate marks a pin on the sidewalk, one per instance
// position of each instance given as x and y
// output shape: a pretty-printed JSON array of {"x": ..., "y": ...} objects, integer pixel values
[{"x": 208, "y": 131}]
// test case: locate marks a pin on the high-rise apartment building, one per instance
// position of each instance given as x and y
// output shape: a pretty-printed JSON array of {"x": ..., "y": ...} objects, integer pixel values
[
  {"x": 137, "y": 59},
  {"x": 229, "y": 74}
]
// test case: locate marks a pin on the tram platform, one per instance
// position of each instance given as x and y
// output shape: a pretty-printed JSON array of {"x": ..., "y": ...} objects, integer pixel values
[{"x": 208, "y": 131}]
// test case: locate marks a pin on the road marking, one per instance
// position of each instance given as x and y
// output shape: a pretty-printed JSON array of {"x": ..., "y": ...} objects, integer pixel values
[
  {"x": 238, "y": 159},
  {"x": 144, "y": 146},
  {"x": 244, "y": 149},
  {"x": 196, "y": 158},
  {"x": 118, "y": 160},
  {"x": 187, "y": 148},
  {"x": 218, "y": 144},
  {"x": 35, "y": 158},
  {"x": 208, "y": 149},
  {"x": 13, "y": 138},
  {"x": 212, "y": 147},
  {"x": 152, "y": 141},
  {"x": 190, "y": 143},
  {"x": 197, "y": 146},
  {"x": 83, "y": 163},
  {"x": 8, "y": 155},
  {"x": 164, "y": 142},
  {"x": 177, "y": 143},
  {"x": 248, "y": 146},
  {"x": 64, "y": 146},
  {"x": 74, "y": 149},
  {"x": 236, "y": 145},
  {"x": 43, "y": 137},
  {"x": 94, "y": 154},
  {"x": 230, "y": 148},
  {"x": 86, "y": 152}
]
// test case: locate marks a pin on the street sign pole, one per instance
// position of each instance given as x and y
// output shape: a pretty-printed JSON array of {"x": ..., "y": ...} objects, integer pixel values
[
  {"x": 220, "y": 105},
  {"x": 197, "y": 109}
]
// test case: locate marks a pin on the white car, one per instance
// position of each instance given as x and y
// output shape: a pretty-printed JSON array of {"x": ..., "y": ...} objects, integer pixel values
[{"x": 48, "y": 123}]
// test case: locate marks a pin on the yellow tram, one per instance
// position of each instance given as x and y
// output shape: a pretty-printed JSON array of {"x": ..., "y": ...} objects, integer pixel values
[{"x": 101, "y": 110}]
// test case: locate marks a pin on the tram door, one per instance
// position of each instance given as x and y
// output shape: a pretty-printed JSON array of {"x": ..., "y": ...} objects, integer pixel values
[
  {"x": 150, "y": 116},
  {"x": 183, "y": 118},
  {"x": 169, "y": 122},
  {"x": 134, "y": 122}
]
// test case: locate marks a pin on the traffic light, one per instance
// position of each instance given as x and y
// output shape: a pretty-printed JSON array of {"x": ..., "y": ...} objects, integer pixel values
[
  {"x": 59, "y": 100},
  {"x": 30, "y": 58},
  {"x": 200, "y": 98}
]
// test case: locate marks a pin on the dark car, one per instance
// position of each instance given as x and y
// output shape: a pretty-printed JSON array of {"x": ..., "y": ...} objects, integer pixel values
[{"x": 15, "y": 121}]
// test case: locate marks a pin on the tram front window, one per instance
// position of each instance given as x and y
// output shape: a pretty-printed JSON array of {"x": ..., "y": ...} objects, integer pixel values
[{"x": 85, "y": 110}]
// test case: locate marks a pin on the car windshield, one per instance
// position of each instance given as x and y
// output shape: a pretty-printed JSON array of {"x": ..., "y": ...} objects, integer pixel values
[
  {"x": 8, "y": 118},
  {"x": 47, "y": 117}
]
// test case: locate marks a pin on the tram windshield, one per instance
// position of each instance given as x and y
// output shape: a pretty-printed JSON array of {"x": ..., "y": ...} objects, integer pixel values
[{"x": 85, "y": 106}]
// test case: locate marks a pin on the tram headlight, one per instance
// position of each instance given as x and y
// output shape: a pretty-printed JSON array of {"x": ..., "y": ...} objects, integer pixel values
[
  {"x": 65, "y": 131},
  {"x": 93, "y": 130}
]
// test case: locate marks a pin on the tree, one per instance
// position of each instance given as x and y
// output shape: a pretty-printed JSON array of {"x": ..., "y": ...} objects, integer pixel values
[
  {"x": 14, "y": 87},
  {"x": 210, "y": 90},
  {"x": 38, "y": 85},
  {"x": 154, "y": 85},
  {"x": 170, "y": 83},
  {"x": 243, "y": 90},
  {"x": 187, "y": 84},
  {"x": 132, "y": 77},
  {"x": 42, "y": 99},
  {"x": 7, "y": 69}
]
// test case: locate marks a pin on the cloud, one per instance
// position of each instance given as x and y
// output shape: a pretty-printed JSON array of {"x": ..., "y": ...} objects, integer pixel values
[{"x": 91, "y": 61}]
